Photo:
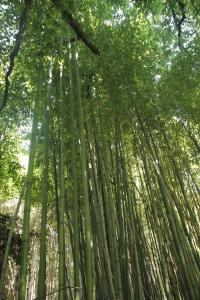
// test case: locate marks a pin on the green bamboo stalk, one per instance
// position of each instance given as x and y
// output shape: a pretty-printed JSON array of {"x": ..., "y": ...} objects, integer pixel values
[
  {"x": 87, "y": 218},
  {"x": 113, "y": 220},
  {"x": 56, "y": 185},
  {"x": 155, "y": 227},
  {"x": 179, "y": 237},
  {"x": 13, "y": 222},
  {"x": 104, "y": 220},
  {"x": 132, "y": 213},
  {"x": 100, "y": 225},
  {"x": 41, "y": 289},
  {"x": 9, "y": 241},
  {"x": 27, "y": 204},
  {"x": 74, "y": 182},
  {"x": 61, "y": 294}
]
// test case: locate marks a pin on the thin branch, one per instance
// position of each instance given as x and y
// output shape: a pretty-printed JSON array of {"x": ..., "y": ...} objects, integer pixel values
[
  {"x": 15, "y": 51},
  {"x": 67, "y": 16},
  {"x": 60, "y": 289},
  {"x": 178, "y": 22}
]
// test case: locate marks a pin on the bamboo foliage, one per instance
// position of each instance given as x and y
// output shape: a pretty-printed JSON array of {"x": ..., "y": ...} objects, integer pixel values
[{"x": 118, "y": 193}]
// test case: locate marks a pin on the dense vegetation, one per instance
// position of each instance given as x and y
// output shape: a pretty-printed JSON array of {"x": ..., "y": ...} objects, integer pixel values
[{"x": 107, "y": 93}]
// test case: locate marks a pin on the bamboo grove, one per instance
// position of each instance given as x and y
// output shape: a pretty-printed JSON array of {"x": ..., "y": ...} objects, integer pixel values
[{"x": 113, "y": 162}]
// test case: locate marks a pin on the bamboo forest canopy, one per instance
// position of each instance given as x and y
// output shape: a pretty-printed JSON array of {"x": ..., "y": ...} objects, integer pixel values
[{"x": 102, "y": 99}]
